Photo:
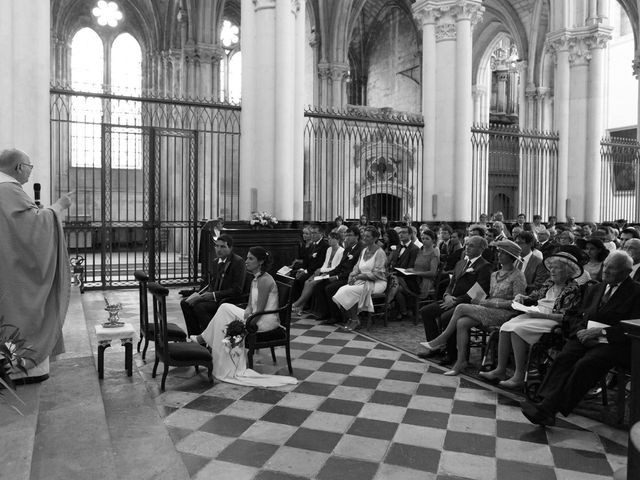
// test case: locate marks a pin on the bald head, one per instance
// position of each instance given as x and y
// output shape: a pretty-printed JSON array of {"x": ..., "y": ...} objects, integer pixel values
[
  {"x": 16, "y": 164},
  {"x": 10, "y": 158}
]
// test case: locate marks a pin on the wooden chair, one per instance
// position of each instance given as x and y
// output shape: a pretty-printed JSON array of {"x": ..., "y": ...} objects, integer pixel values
[
  {"x": 174, "y": 332},
  {"x": 380, "y": 309},
  {"x": 429, "y": 297},
  {"x": 182, "y": 354},
  {"x": 279, "y": 337}
]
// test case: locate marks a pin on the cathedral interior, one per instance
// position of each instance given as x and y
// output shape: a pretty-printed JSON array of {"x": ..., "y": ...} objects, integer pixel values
[{"x": 162, "y": 114}]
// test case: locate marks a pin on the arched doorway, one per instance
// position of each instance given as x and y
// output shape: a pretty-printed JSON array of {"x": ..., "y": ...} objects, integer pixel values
[{"x": 378, "y": 204}]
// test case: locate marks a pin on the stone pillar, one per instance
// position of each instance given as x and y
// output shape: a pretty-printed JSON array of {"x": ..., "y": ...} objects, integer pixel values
[
  {"x": 558, "y": 44},
  {"x": 429, "y": 98},
  {"x": 269, "y": 109},
  {"x": 480, "y": 105},
  {"x": 299, "y": 119},
  {"x": 452, "y": 22},
  {"x": 467, "y": 13},
  {"x": 597, "y": 42},
  {"x": 636, "y": 73},
  {"x": 24, "y": 85}
]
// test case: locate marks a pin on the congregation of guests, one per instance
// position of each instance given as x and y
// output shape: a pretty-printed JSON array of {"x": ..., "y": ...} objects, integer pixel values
[{"x": 471, "y": 277}]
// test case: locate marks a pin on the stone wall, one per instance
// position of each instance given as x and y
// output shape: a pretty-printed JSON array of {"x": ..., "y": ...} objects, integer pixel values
[{"x": 392, "y": 51}]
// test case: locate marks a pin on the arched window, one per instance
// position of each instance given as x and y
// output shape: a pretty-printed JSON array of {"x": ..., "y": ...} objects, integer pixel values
[
  {"x": 126, "y": 79},
  {"x": 92, "y": 73},
  {"x": 87, "y": 75},
  {"x": 230, "y": 65}
]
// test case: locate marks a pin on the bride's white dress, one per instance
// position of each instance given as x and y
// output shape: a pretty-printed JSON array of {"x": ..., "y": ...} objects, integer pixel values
[{"x": 231, "y": 366}]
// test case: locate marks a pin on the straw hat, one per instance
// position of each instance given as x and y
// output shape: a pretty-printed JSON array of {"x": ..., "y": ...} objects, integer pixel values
[
  {"x": 509, "y": 247},
  {"x": 567, "y": 259}
]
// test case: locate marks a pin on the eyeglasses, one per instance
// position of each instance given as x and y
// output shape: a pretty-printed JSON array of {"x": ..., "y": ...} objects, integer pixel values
[{"x": 26, "y": 165}]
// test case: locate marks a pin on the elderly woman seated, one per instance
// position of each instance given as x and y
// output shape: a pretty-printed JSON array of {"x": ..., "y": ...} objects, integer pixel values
[
  {"x": 558, "y": 294},
  {"x": 368, "y": 276},
  {"x": 506, "y": 284},
  {"x": 417, "y": 281}
]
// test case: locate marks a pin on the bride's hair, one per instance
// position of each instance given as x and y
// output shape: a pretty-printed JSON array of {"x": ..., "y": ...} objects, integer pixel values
[{"x": 262, "y": 255}]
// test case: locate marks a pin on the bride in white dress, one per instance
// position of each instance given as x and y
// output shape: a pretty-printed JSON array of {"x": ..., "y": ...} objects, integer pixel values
[{"x": 230, "y": 365}]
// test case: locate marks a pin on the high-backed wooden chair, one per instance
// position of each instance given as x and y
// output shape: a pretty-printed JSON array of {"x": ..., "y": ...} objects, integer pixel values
[
  {"x": 180, "y": 354},
  {"x": 174, "y": 332},
  {"x": 279, "y": 337}
]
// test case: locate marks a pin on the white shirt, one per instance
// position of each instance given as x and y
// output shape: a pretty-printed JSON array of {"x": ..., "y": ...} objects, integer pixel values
[{"x": 4, "y": 178}]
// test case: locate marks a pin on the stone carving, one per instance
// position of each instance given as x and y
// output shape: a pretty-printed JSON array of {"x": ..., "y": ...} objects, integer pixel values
[{"x": 445, "y": 31}]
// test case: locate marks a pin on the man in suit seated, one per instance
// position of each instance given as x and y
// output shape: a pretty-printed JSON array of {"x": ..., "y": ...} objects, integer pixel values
[
  {"x": 313, "y": 259},
  {"x": 406, "y": 259},
  {"x": 226, "y": 280},
  {"x": 470, "y": 270},
  {"x": 534, "y": 271},
  {"x": 322, "y": 306},
  {"x": 545, "y": 244},
  {"x": 596, "y": 342},
  {"x": 632, "y": 247}
]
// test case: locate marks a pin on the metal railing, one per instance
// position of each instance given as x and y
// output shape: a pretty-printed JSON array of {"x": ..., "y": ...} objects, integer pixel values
[
  {"x": 620, "y": 179},
  {"x": 514, "y": 171},
  {"x": 145, "y": 170},
  {"x": 362, "y": 161}
]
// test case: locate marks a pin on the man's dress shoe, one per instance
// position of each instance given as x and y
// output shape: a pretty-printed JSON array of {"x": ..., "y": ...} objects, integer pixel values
[{"x": 537, "y": 415}]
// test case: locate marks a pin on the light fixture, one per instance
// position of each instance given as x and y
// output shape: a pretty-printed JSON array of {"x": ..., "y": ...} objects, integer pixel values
[{"x": 107, "y": 13}]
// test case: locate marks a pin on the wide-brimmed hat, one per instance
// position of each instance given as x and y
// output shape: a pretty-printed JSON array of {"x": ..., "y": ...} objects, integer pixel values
[
  {"x": 509, "y": 247},
  {"x": 567, "y": 259}
]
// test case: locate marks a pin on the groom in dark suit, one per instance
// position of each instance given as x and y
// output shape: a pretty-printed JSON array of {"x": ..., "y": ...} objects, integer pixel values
[
  {"x": 471, "y": 269},
  {"x": 593, "y": 348},
  {"x": 226, "y": 280}
]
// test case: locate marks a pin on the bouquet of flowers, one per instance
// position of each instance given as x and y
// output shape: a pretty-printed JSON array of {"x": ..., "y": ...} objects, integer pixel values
[
  {"x": 262, "y": 219},
  {"x": 234, "y": 334},
  {"x": 13, "y": 357}
]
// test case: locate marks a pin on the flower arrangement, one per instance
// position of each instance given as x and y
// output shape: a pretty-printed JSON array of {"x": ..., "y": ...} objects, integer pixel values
[
  {"x": 232, "y": 341},
  {"x": 13, "y": 357},
  {"x": 262, "y": 219},
  {"x": 234, "y": 334}
]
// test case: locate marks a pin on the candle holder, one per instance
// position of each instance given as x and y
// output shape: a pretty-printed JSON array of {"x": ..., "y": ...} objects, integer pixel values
[{"x": 114, "y": 312}]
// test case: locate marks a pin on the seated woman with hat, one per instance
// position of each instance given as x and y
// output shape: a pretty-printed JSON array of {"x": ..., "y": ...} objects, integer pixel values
[
  {"x": 506, "y": 284},
  {"x": 557, "y": 295}
]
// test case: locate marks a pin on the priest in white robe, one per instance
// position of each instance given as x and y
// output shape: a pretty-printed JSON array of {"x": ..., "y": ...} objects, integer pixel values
[{"x": 34, "y": 264}]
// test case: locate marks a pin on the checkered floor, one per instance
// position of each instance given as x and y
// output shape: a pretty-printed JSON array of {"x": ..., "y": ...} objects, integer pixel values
[{"x": 364, "y": 410}]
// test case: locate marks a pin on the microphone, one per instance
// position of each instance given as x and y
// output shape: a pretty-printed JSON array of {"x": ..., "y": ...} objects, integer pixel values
[{"x": 36, "y": 193}]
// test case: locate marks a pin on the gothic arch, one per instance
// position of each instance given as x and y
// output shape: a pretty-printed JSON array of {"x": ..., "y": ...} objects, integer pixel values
[{"x": 499, "y": 16}]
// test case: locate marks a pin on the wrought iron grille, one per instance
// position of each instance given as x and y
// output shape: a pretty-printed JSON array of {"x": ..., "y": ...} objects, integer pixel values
[
  {"x": 514, "y": 171},
  {"x": 357, "y": 163},
  {"x": 620, "y": 181},
  {"x": 144, "y": 171}
]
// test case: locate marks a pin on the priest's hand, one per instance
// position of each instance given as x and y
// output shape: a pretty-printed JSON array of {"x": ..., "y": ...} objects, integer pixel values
[{"x": 64, "y": 201}]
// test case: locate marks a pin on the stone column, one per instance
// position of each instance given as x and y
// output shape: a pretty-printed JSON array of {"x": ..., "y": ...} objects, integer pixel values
[
  {"x": 24, "y": 85},
  {"x": 453, "y": 21},
  {"x": 597, "y": 42},
  {"x": 558, "y": 44},
  {"x": 428, "y": 20},
  {"x": 480, "y": 107},
  {"x": 299, "y": 119},
  {"x": 636, "y": 73},
  {"x": 269, "y": 107},
  {"x": 467, "y": 13}
]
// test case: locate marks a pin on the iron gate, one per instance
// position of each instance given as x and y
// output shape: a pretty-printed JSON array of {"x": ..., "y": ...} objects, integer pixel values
[{"x": 144, "y": 172}]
